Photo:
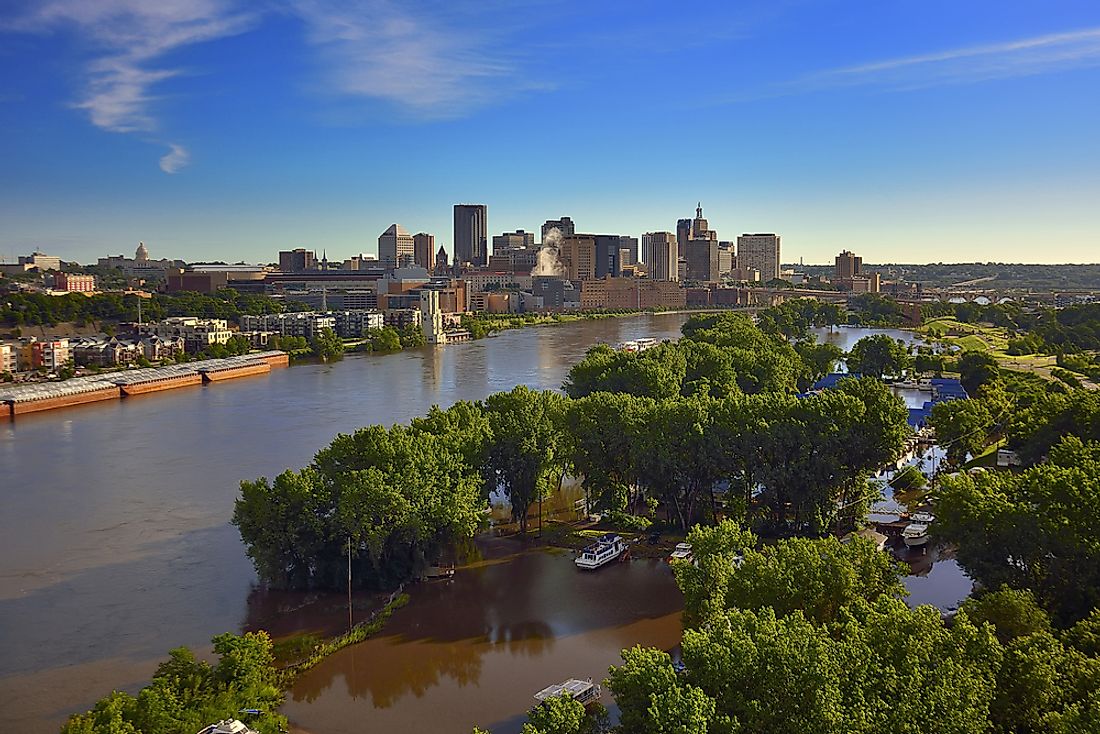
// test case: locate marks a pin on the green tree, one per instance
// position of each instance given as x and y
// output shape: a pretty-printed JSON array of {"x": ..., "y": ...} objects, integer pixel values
[
  {"x": 878, "y": 355},
  {"x": 326, "y": 345},
  {"x": 962, "y": 428},
  {"x": 976, "y": 369},
  {"x": 523, "y": 457},
  {"x": 557, "y": 715},
  {"x": 1012, "y": 612}
]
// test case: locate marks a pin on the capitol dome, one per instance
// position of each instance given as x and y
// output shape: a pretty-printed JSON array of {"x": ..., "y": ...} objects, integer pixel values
[{"x": 142, "y": 253}]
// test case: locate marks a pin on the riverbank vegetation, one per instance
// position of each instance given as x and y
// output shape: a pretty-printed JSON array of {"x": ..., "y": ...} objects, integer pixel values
[
  {"x": 33, "y": 309},
  {"x": 188, "y": 694},
  {"x": 707, "y": 426}
]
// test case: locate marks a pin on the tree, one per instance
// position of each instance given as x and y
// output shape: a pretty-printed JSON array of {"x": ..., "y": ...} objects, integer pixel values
[
  {"x": 656, "y": 373},
  {"x": 523, "y": 456},
  {"x": 386, "y": 339},
  {"x": 1012, "y": 612},
  {"x": 976, "y": 369},
  {"x": 326, "y": 345},
  {"x": 601, "y": 435},
  {"x": 962, "y": 428},
  {"x": 878, "y": 355},
  {"x": 557, "y": 715},
  {"x": 1034, "y": 530}
]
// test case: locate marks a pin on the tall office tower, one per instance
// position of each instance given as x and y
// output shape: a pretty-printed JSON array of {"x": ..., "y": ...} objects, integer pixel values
[
  {"x": 627, "y": 242},
  {"x": 607, "y": 255},
  {"x": 700, "y": 226},
  {"x": 683, "y": 233},
  {"x": 395, "y": 247},
  {"x": 564, "y": 225},
  {"x": 471, "y": 239},
  {"x": 518, "y": 240},
  {"x": 759, "y": 252},
  {"x": 661, "y": 255},
  {"x": 578, "y": 254},
  {"x": 848, "y": 265},
  {"x": 702, "y": 259},
  {"x": 424, "y": 250},
  {"x": 297, "y": 261}
]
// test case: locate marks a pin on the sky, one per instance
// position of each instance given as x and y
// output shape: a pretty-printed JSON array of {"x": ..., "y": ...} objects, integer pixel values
[{"x": 932, "y": 131}]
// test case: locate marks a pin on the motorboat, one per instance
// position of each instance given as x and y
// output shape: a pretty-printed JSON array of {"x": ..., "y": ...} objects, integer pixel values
[
  {"x": 228, "y": 726},
  {"x": 682, "y": 552},
  {"x": 605, "y": 550},
  {"x": 915, "y": 535},
  {"x": 584, "y": 691}
]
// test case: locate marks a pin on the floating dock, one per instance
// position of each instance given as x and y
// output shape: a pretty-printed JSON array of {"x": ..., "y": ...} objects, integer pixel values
[{"x": 31, "y": 398}]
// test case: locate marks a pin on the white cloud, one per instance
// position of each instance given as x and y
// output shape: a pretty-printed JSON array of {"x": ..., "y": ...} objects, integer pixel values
[
  {"x": 126, "y": 38},
  {"x": 424, "y": 62},
  {"x": 1022, "y": 57},
  {"x": 176, "y": 158}
]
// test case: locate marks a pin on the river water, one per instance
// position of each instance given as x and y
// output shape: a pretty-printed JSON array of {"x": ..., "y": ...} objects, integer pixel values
[{"x": 115, "y": 547}]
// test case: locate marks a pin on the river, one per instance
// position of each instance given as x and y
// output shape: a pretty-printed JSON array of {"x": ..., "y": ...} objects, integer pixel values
[{"x": 115, "y": 545}]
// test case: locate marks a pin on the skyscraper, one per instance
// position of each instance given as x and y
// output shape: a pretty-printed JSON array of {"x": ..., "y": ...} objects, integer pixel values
[
  {"x": 759, "y": 252},
  {"x": 395, "y": 247},
  {"x": 578, "y": 255},
  {"x": 424, "y": 250},
  {"x": 518, "y": 240},
  {"x": 661, "y": 255},
  {"x": 564, "y": 225},
  {"x": 683, "y": 233},
  {"x": 702, "y": 259},
  {"x": 607, "y": 255},
  {"x": 848, "y": 265},
  {"x": 471, "y": 236},
  {"x": 626, "y": 242}
]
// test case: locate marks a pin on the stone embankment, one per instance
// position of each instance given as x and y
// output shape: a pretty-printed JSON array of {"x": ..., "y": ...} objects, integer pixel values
[{"x": 19, "y": 399}]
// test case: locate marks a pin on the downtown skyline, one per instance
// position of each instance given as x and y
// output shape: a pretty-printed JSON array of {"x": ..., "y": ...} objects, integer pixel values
[{"x": 219, "y": 130}]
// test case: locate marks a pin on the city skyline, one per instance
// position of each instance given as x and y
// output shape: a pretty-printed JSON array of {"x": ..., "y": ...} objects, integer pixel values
[{"x": 923, "y": 134}]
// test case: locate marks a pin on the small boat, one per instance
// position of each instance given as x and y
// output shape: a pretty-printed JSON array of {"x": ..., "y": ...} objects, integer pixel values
[
  {"x": 439, "y": 572},
  {"x": 915, "y": 535},
  {"x": 228, "y": 726},
  {"x": 584, "y": 692},
  {"x": 682, "y": 552},
  {"x": 605, "y": 550},
  {"x": 924, "y": 518}
]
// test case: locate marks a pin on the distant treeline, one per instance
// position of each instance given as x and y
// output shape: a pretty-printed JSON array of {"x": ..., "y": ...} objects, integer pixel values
[
  {"x": 34, "y": 309},
  {"x": 1001, "y": 275},
  {"x": 1067, "y": 330}
]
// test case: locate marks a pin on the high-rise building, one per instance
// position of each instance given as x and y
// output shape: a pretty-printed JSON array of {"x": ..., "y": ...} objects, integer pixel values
[
  {"x": 441, "y": 263},
  {"x": 703, "y": 260},
  {"x": 424, "y": 250},
  {"x": 578, "y": 255},
  {"x": 607, "y": 255},
  {"x": 518, "y": 240},
  {"x": 759, "y": 252},
  {"x": 661, "y": 254},
  {"x": 564, "y": 225},
  {"x": 699, "y": 226},
  {"x": 626, "y": 242},
  {"x": 298, "y": 260},
  {"x": 683, "y": 233},
  {"x": 395, "y": 247},
  {"x": 471, "y": 235},
  {"x": 848, "y": 265}
]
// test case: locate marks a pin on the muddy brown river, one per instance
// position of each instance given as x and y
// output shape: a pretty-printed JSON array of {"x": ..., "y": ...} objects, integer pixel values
[{"x": 115, "y": 547}]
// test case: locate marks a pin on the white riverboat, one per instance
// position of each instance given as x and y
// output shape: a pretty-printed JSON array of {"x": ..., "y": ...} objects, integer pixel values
[
  {"x": 584, "y": 692},
  {"x": 228, "y": 726},
  {"x": 682, "y": 552},
  {"x": 638, "y": 345},
  {"x": 915, "y": 535},
  {"x": 605, "y": 550}
]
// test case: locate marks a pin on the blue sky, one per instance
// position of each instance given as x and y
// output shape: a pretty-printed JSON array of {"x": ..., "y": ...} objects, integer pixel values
[{"x": 214, "y": 129}]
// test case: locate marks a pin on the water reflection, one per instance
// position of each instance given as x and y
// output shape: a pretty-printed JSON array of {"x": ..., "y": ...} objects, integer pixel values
[{"x": 480, "y": 635}]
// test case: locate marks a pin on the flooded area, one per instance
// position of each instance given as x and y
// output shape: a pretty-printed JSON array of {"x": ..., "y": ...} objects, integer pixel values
[
  {"x": 473, "y": 651},
  {"x": 115, "y": 547}
]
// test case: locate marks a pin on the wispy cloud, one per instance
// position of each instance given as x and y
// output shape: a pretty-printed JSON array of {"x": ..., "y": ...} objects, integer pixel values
[
  {"x": 434, "y": 62},
  {"x": 1021, "y": 57},
  {"x": 126, "y": 39},
  {"x": 176, "y": 158}
]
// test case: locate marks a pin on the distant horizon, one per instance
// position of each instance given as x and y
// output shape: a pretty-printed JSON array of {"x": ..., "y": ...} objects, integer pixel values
[{"x": 215, "y": 129}]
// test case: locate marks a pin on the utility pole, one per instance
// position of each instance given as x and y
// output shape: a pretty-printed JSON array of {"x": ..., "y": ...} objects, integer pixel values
[{"x": 350, "y": 623}]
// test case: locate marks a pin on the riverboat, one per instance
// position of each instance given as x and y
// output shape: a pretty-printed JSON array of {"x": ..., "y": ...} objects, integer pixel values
[
  {"x": 682, "y": 552},
  {"x": 584, "y": 692},
  {"x": 605, "y": 550},
  {"x": 915, "y": 535},
  {"x": 638, "y": 345},
  {"x": 439, "y": 572},
  {"x": 228, "y": 726}
]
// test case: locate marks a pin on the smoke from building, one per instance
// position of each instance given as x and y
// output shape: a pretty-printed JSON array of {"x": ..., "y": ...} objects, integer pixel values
[{"x": 547, "y": 262}]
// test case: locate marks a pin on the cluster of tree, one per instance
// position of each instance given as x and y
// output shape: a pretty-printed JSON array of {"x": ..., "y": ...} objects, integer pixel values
[
  {"x": 32, "y": 309},
  {"x": 878, "y": 355},
  {"x": 873, "y": 309},
  {"x": 812, "y": 635},
  {"x": 1049, "y": 331},
  {"x": 392, "y": 498},
  {"x": 1032, "y": 530},
  {"x": 793, "y": 319},
  {"x": 326, "y": 345},
  {"x": 188, "y": 694},
  {"x": 390, "y": 339}
]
